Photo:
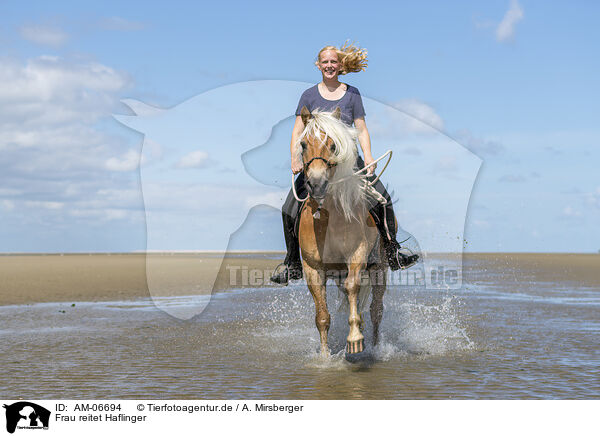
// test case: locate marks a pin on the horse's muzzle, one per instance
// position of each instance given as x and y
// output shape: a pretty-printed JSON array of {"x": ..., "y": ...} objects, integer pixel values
[{"x": 317, "y": 188}]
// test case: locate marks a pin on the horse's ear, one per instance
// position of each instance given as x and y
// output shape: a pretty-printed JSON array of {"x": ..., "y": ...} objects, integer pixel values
[
  {"x": 305, "y": 115},
  {"x": 337, "y": 113}
]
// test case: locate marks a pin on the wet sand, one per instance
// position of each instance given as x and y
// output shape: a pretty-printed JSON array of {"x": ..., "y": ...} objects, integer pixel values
[
  {"x": 581, "y": 269},
  {"x": 28, "y": 279}
]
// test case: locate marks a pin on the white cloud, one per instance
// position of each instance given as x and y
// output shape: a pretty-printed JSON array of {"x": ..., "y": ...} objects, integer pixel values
[
  {"x": 49, "y": 90},
  {"x": 479, "y": 146},
  {"x": 446, "y": 164},
  {"x": 593, "y": 198},
  {"x": 195, "y": 159},
  {"x": 48, "y": 110},
  {"x": 9, "y": 192},
  {"x": 54, "y": 154},
  {"x": 122, "y": 197},
  {"x": 108, "y": 214},
  {"x": 423, "y": 114},
  {"x": 8, "y": 205},
  {"x": 570, "y": 212},
  {"x": 128, "y": 162},
  {"x": 273, "y": 199},
  {"x": 50, "y": 205},
  {"x": 506, "y": 29},
  {"x": 44, "y": 35}
]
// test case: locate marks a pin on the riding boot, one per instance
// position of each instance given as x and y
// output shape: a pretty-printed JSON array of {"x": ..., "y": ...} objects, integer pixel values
[
  {"x": 291, "y": 241},
  {"x": 397, "y": 256},
  {"x": 291, "y": 268}
]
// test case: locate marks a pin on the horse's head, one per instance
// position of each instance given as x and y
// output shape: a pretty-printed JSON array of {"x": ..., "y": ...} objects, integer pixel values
[{"x": 325, "y": 142}]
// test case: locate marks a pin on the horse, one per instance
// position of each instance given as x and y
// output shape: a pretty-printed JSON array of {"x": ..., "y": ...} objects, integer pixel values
[{"x": 336, "y": 231}]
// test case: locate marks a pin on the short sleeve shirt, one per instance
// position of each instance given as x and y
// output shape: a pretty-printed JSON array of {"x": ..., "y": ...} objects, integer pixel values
[{"x": 351, "y": 105}]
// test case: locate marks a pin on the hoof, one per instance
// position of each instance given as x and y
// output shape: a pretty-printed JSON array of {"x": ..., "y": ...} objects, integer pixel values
[
  {"x": 325, "y": 352},
  {"x": 353, "y": 347}
]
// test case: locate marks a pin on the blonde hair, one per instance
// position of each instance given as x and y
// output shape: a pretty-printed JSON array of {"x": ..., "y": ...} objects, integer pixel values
[{"x": 352, "y": 58}]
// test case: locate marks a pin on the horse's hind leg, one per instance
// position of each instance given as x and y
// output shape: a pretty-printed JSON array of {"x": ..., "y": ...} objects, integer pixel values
[
  {"x": 377, "y": 275},
  {"x": 316, "y": 284},
  {"x": 378, "y": 284}
]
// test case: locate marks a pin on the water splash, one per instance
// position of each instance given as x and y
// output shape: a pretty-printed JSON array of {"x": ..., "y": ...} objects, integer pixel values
[
  {"x": 414, "y": 324},
  {"x": 416, "y": 328}
]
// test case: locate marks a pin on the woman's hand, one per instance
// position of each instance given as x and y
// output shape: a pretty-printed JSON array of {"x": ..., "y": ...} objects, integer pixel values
[
  {"x": 296, "y": 165},
  {"x": 368, "y": 160}
]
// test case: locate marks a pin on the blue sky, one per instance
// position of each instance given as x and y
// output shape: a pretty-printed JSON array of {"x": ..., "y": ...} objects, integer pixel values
[{"x": 515, "y": 82}]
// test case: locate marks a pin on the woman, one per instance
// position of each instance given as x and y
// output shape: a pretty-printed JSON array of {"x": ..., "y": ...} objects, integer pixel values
[{"x": 326, "y": 96}]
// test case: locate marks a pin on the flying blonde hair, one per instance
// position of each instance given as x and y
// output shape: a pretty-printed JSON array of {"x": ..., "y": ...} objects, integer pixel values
[{"x": 352, "y": 58}]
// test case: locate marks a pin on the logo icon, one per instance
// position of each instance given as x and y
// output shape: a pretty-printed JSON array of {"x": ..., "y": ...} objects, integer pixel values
[{"x": 26, "y": 415}]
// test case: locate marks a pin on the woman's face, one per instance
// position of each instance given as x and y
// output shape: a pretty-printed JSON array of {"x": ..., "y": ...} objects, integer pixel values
[{"x": 329, "y": 64}]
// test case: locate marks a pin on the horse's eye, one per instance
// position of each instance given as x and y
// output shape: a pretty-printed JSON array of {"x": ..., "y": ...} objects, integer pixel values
[
  {"x": 333, "y": 147},
  {"x": 303, "y": 144}
]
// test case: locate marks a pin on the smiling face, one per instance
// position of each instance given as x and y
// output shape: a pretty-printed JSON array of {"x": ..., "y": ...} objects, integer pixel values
[{"x": 329, "y": 64}]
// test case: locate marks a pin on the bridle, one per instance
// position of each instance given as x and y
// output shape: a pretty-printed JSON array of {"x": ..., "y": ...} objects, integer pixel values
[
  {"x": 306, "y": 165},
  {"x": 368, "y": 186},
  {"x": 328, "y": 163}
]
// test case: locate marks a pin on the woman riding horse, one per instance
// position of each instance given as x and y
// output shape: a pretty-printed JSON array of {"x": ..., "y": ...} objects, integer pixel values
[
  {"x": 337, "y": 234},
  {"x": 327, "y": 95}
]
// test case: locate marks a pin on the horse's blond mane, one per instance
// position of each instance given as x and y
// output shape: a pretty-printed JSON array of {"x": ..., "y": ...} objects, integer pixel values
[{"x": 348, "y": 195}]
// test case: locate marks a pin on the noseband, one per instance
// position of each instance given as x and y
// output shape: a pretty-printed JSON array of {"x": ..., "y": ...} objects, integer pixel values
[{"x": 329, "y": 164}]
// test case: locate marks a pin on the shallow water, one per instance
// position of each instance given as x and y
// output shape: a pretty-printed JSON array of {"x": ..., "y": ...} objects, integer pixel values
[{"x": 491, "y": 339}]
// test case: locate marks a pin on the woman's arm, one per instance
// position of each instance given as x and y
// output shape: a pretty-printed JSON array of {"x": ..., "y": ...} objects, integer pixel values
[
  {"x": 365, "y": 142},
  {"x": 296, "y": 132}
]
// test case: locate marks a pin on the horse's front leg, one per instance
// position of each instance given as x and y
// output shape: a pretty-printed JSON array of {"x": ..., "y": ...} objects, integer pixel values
[
  {"x": 316, "y": 284},
  {"x": 355, "y": 340}
]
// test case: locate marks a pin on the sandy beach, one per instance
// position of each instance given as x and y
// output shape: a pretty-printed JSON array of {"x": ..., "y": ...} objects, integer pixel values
[
  {"x": 579, "y": 269},
  {"x": 27, "y": 279}
]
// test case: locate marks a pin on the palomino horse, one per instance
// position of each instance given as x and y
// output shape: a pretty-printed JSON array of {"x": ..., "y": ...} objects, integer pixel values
[{"x": 336, "y": 242}]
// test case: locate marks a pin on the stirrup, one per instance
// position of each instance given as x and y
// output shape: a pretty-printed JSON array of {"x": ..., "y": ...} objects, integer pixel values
[
  {"x": 408, "y": 261},
  {"x": 397, "y": 259},
  {"x": 283, "y": 273}
]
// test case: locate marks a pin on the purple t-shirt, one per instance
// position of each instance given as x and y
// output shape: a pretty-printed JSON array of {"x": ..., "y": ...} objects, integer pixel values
[{"x": 350, "y": 104}]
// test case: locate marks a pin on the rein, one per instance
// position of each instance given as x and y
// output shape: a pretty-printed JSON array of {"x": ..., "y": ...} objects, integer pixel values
[{"x": 367, "y": 187}]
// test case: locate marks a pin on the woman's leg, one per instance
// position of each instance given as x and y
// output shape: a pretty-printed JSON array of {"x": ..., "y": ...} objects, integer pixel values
[
  {"x": 385, "y": 219},
  {"x": 291, "y": 269}
]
